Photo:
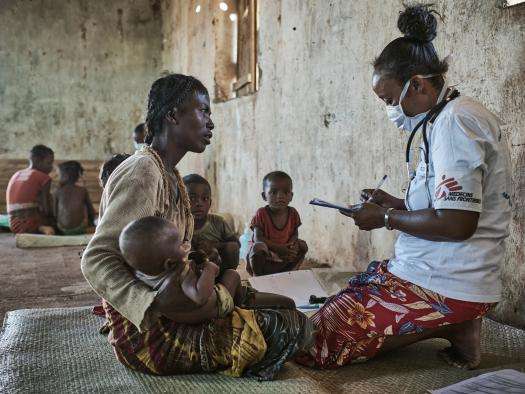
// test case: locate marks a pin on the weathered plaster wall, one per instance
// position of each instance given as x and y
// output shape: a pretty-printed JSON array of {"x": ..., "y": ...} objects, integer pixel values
[
  {"x": 316, "y": 118},
  {"x": 75, "y": 74}
]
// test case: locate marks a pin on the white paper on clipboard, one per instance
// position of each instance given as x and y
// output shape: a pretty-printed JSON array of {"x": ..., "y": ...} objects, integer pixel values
[{"x": 298, "y": 285}]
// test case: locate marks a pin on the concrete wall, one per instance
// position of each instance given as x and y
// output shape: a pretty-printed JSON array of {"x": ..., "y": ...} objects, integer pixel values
[
  {"x": 75, "y": 74},
  {"x": 316, "y": 118}
]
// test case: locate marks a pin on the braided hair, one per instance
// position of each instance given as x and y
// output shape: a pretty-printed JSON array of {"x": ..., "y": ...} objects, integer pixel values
[
  {"x": 168, "y": 197},
  {"x": 166, "y": 94},
  {"x": 413, "y": 53}
]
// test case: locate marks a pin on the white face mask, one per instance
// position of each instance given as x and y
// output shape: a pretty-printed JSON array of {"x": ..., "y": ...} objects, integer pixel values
[
  {"x": 396, "y": 114},
  {"x": 139, "y": 146}
]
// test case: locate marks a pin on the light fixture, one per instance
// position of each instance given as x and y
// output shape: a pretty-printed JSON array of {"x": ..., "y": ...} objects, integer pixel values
[
  {"x": 198, "y": 9},
  {"x": 223, "y": 6},
  {"x": 233, "y": 17}
]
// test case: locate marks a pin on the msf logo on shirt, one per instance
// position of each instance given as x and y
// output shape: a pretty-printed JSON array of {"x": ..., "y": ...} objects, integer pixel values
[{"x": 447, "y": 186}]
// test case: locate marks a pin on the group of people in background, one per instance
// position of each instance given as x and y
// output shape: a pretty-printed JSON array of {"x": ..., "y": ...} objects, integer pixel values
[{"x": 34, "y": 206}]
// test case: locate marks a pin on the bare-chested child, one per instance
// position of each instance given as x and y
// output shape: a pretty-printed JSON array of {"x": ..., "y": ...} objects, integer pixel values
[
  {"x": 73, "y": 209},
  {"x": 152, "y": 248},
  {"x": 276, "y": 246},
  {"x": 28, "y": 196},
  {"x": 212, "y": 233}
]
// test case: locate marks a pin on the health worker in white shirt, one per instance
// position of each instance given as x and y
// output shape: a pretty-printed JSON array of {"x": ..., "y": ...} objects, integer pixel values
[{"x": 445, "y": 272}]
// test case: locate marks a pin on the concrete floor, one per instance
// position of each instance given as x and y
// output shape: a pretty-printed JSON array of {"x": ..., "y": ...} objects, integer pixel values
[{"x": 41, "y": 278}]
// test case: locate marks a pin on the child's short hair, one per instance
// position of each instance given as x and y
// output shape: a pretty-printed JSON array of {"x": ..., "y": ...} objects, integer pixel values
[
  {"x": 272, "y": 176},
  {"x": 70, "y": 171},
  {"x": 40, "y": 152},
  {"x": 148, "y": 229},
  {"x": 196, "y": 178},
  {"x": 141, "y": 128},
  {"x": 144, "y": 237},
  {"x": 109, "y": 166}
]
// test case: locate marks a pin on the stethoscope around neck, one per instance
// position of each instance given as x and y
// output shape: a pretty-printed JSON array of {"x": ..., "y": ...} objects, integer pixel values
[{"x": 430, "y": 117}]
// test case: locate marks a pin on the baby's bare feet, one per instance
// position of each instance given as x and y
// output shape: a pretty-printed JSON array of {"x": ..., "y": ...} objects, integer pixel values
[{"x": 465, "y": 339}]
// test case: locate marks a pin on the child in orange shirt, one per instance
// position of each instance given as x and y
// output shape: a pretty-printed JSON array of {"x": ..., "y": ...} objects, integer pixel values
[
  {"x": 276, "y": 246},
  {"x": 29, "y": 203}
]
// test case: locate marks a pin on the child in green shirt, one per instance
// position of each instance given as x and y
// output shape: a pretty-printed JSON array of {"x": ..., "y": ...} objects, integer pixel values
[{"x": 211, "y": 233}]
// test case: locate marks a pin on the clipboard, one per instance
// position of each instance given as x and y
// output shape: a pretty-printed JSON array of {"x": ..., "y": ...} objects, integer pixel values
[{"x": 321, "y": 203}]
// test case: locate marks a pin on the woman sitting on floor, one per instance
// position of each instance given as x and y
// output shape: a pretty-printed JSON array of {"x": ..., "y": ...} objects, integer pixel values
[{"x": 149, "y": 333}]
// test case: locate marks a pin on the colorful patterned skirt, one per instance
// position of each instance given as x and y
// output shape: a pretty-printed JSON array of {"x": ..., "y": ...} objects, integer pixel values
[
  {"x": 352, "y": 325},
  {"x": 246, "y": 343}
]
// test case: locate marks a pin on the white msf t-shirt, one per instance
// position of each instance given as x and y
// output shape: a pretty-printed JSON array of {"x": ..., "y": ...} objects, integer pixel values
[{"x": 468, "y": 170}]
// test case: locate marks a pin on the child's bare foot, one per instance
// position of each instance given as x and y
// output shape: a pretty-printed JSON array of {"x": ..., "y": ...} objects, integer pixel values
[
  {"x": 46, "y": 230},
  {"x": 465, "y": 340}
]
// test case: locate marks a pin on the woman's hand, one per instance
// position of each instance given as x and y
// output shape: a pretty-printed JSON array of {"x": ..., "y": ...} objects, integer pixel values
[
  {"x": 168, "y": 291},
  {"x": 382, "y": 198},
  {"x": 369, "y": 216}
]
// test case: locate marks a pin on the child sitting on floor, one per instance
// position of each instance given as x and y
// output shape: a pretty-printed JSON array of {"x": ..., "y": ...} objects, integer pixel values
[
  {"x": 276, "y": 246},
  {"x": 211, "y": 233},
  {"x": 109, "y": 166},
  {"x": 29, "y": 203},
  {"x": 152, "y": 248},
  {"x": 73, "y": 209}
]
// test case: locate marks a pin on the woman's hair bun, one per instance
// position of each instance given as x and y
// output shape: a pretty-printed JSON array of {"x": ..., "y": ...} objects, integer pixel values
[{"x": 418, "y": 22}]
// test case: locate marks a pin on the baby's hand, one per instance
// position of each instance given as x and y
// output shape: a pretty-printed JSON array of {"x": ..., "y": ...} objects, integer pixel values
[
  {"x": 208, "y": 265},
  {"x": 198, "y": 256},
  {"x": 213, "y": 255}
]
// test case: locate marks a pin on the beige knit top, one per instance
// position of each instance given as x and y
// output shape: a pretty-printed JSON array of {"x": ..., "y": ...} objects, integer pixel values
[{"x": 139, "y": 187}]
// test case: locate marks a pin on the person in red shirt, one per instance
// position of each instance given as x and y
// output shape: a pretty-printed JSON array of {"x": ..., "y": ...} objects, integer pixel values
[
  {"x": 276, "y": 246},
  {"x": 28, "y": 197}
]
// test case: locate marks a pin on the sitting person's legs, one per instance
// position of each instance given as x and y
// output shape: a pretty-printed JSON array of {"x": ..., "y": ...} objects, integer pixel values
[
  {"x": 249, "y": 298},
  {"x": 464, "y": 338},
  {"x": 229, "y": 253},
  {"x": 232, "y": 281},
  {"x": 261, "y": 299},
  {"x": 398, "y": 313},
  {"x": 257, "y": 259},
  {"x": 302, "y": 249}
]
